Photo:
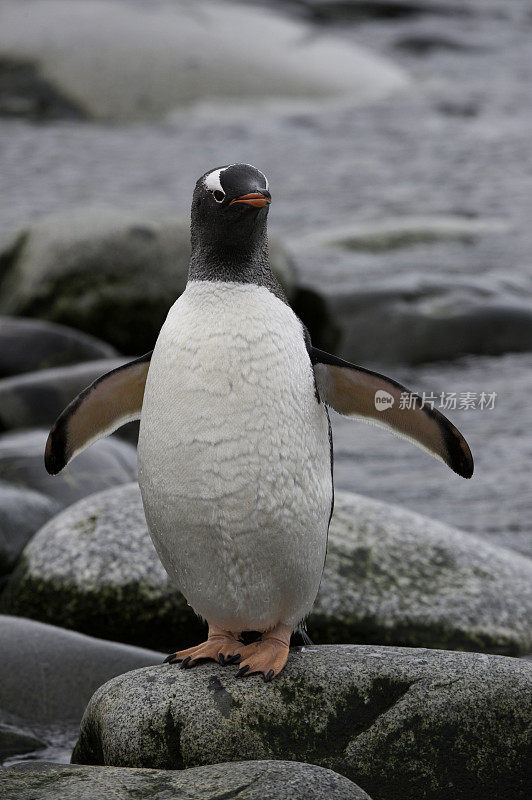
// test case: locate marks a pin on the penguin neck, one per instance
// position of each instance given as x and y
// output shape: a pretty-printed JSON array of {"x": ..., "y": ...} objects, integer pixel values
[{"x": 245, "y": 264}]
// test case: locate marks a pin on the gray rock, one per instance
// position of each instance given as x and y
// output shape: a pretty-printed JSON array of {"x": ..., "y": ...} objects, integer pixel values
[
  {"x": 93, "y": 568},
  {"x": 25, "y": 93},
  {"x": 16, "y": 740},
  {"x": 47, "y": 674},
  {"x": 395, "y": 577},
  {"x": 496, "y": 505},
  {"x": 406, "y": 231},
  {"x": 424, "y": 44},
  {"x": 37, "y": 398},
  {"x": 28, "y": 344},
  {"x": 401, "y": 723},
  {"x": 22, "y": 513},
  {"x": 414, "y": 326},
  {"x": 112, "y": 274},
  {"x": 391, "y": 576},
  {"x": 392, "y": 297},
  {"x": 252, "y": 780},
  {"x": 152, "y": 61},
  {"x": 363, "y": 10},
  {"x": 108, "y": 462}
]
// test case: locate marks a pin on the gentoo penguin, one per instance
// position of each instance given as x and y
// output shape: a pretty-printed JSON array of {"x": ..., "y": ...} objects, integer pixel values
[{"x": 235, "y": 449}]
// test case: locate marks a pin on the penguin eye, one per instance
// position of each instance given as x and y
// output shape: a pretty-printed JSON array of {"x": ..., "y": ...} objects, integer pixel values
[{"x": 218, "y": 195}]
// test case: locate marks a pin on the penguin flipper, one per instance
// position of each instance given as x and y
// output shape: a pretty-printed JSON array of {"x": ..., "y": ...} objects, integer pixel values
[
  {"x": 112, "y": 400},
  {"x": 351, "y": 391}
]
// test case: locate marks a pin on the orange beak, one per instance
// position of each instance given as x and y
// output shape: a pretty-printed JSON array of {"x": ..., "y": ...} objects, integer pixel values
[{"x": 255, "y": 199}]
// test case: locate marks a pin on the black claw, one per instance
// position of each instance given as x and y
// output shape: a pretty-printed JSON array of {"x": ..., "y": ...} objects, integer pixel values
[
  {"x": 221, "y": 659},
  {"x": 242, "y": 671},
  {"x": 233, "y": 659},
  {"x": 269, "y": 675},
  {"x": 169, "y": 658},
  {"x": 184, "y": 663}
]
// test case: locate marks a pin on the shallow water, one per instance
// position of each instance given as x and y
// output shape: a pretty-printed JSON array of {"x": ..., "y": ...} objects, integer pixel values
[{"x": 58, "y": 750}]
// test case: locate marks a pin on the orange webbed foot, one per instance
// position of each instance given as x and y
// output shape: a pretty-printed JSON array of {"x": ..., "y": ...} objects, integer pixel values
[
  {"x": 221, "y": 646},
  {"x": 267, "y": 656}
]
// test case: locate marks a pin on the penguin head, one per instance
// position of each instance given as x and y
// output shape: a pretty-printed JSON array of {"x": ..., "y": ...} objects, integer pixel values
[{"x": 230, "y": 206}]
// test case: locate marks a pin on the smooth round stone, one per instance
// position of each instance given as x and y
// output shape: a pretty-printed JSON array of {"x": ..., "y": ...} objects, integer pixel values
[
  {"x": 22, "y": 513},
  {"x": 391, "y": 576},
  {"x": 93, "y": 568},
  {"x": 37, "y": 398},
  {"x": 364, "y": 10},
  {"x": 396, "y": 577},
  {"x": 16, "y": 740},
  {"x": 112, "y": 274},
  {"x": 400, "y": 722},
  {"x": 150, "y": 61},
  {"x": 252, "y": 780},
  {"x": 108, "y": 462},
  {"x": 27, "y": 345},
  {"x": 395, "y": 296},
  {"x": 420, "y": 325},
  {"x": 394, "y": 233},
  {"x": 48, "y": 674}
]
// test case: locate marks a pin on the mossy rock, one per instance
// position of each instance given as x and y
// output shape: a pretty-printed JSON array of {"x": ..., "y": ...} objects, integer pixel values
[
  {"x": 99, "y": 573},
  {"x": 252, "y": 780},
  {"x": 29, "y": 497},
  {"x": 396, "y": 577},
  {"x": 400, "y": 722},
  {"x": 111, "y": 274},
  {"x": 391, "y": 577}
]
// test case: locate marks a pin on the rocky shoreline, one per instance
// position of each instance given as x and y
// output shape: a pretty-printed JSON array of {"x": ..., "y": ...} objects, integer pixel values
[
  {"x": 395, "y": 134},
  {"x": 75, "y": 553}
]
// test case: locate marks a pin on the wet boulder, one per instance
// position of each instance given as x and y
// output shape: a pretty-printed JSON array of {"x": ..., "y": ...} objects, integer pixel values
[
  {"x": 22, "y": 513},
  {"x": 109, "y": 273},
  {"x": 16, "y": 739},
  {"x": 108, "y": 462},
  {"x": 254, "y": 780},
  {"x": 37, "y": 398},
  {"x": 401, "y": 723},
  {"x": 27, "y": 345},
  {"x": 151, "y": 61},
  {"x": 397, "y": 292},
  {"x": 47, "y": 676},
  {"x": 93, "y": 568},
  {"x": 391, "y": 576}
]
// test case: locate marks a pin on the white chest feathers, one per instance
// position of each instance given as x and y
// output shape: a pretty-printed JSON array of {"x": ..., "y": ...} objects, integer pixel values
[{"x": 234, "y": 460}]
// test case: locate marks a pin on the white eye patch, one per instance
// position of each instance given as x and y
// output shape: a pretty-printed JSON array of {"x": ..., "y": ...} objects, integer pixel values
[{"x": 212, "y": 180}]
